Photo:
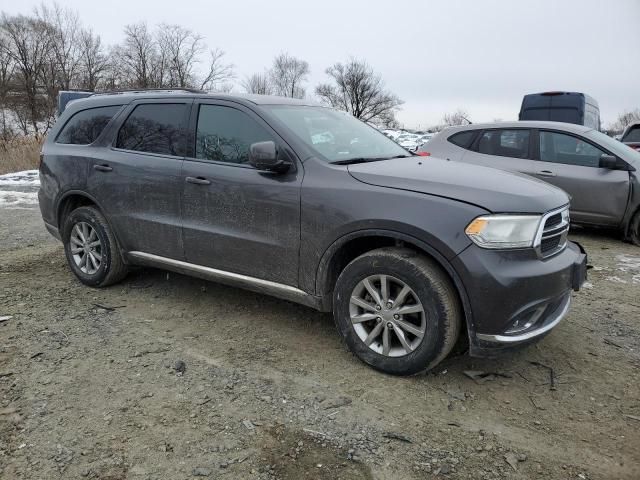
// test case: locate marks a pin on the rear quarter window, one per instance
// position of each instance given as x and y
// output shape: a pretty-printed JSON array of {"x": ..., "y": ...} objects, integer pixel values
[
  {"x": 85, "y": 126},
  {"x": 633, "y": 135},
  {"x": 462, "y": 139}
]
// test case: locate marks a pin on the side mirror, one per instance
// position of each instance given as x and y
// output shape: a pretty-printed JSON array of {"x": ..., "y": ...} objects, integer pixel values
[
  {"x": 612, "y": 162},
  {"x": 264, "y": 156}
]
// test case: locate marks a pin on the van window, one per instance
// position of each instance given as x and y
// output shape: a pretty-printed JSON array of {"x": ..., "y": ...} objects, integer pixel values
[
  {"x": 505, "y": 143},
  {"x": 85, "y": 127},
  {"x": 154, "y": 128},
  {"x": 225, "y": 134},
  {"x": 560, "y": 148}
]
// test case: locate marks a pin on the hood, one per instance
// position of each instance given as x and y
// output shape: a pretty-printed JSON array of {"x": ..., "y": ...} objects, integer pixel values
[{"x": 494, "y": 190}]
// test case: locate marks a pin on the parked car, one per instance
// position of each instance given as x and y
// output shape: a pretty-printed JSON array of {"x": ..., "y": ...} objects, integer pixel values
[
  {"x": 568, "y": 107},
  {"x": 409, "y": 254},
  {"x": 599, "y": 173},
  {"x": 408, "y": 142},
  {"x": 631, "y": 136}
]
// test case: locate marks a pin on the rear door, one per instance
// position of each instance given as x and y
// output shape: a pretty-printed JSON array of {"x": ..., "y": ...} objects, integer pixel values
[
  {"x": 236, "y": 218},
  {"x": 507, "y": 149},
  {"x": 136, "y": 178},
  {"x": 598, "y": 195}
]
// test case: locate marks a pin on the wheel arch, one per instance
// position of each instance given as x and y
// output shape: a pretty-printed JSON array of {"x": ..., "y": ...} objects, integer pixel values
[
  {"x": 354, "y": 244},
  {"x": 73, "y": 199}
]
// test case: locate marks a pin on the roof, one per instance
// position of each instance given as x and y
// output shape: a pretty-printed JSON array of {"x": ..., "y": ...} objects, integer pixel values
[
  {"x": 569, "y": 127},
  {"x": 125, "y": 97}
]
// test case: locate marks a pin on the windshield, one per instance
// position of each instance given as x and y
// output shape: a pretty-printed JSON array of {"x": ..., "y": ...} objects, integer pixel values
[
  {"x": 615, "y": 146},
  {"x": 336, "y": 136}
]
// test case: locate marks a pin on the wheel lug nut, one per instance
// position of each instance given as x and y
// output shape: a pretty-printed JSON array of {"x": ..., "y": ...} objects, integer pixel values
[
  {"x": 389, "y": 325},
  {"x": 378, "y": 307},
  {"x": 396, "y": 316},
  {"x": 389, "y": 304},
  {"x": 379, "y": 319}
]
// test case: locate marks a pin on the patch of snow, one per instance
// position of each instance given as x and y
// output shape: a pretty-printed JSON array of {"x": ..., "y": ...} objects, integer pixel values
[
  {"x": 14, "y": 199},
  {"x": 615, "y": 279},
  {"x": 24, "y": 178},
  {"x": 628, "y": 263},
  {"x": 587, "y": 285}
]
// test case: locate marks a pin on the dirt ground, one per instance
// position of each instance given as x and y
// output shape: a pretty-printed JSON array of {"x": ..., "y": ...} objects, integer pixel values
[{"x": 168, "y": 377}]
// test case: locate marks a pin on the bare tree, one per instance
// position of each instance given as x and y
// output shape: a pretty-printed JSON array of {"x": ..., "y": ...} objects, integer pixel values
[
  {"x": 179, "y": 48},
  {"x": 288, "y": 74},
  {"x": 65, "y": 52},
  {"x": 459, "y": 117},
  {"x": 27, "y": 42},
  {"x": 7, "y": 68},
  {"x": 625, "y": 119},
  {"x": 258, "y": 83},
  {"x": 138, "y": 57},
  {"x": 94, "y": 60},
  {"x": 219, "y": 75},
  {"x": 357, "y": 89}
]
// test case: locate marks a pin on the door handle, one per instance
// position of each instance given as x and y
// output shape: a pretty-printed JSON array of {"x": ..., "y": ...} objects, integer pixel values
[
  {"x": 546, "y": 173},
  {"x": 198, "y": 180},
  {"x": 102, "y": 168}
]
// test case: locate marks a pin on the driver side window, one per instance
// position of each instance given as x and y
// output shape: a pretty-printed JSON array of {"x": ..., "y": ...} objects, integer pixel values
[
  {"x": 558, "y": 147},
  {"x": 225, "y": 134}
]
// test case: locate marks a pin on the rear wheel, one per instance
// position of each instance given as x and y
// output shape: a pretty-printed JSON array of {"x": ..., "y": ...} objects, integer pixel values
[
  {"x": 397, "y": 310},
  {"x": 91, "y": 248}
]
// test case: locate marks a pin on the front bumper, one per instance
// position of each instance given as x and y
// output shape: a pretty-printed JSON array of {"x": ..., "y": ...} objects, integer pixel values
[{"x": 515, "y": 297}]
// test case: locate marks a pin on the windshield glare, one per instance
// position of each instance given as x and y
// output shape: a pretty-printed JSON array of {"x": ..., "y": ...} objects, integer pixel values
[{"x": 335, "y": 135}]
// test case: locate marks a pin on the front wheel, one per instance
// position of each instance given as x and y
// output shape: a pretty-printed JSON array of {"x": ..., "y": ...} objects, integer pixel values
[{"x": 397, "y": 310}]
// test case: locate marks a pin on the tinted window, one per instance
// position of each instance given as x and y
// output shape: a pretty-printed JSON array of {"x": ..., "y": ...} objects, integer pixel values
[
  {"x": 225, "y": 134},
  {"x": 84, "y": 127},
  {"x": 154, "y": 128},
  {"x": 560, "y": 148},
  {"x": 633, "y": 135},
  {"x": 462, "y": 139},
  {"x": 505, "y": 143}
]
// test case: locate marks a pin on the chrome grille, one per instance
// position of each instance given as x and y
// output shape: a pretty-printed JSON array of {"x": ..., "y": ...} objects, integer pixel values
[{"x": 552, "y": 234}]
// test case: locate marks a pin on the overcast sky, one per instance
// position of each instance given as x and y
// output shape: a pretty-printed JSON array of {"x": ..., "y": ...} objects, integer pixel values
[{"x": 482, "y": 56}]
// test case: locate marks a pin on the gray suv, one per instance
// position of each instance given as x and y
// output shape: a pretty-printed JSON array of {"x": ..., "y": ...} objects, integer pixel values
[
  {"x": 308, "y": 204},
  {"x": 598, "y": 172}
]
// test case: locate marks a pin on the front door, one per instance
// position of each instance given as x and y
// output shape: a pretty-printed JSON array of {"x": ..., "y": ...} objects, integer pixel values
[
  {"x": 136, "y": 180},
  {"x": 598, "y": 195},
  {"x": 236, "y": 218}
]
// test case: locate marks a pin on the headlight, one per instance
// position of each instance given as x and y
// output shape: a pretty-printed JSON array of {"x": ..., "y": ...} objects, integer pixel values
[{"x": 504, "y": 231}]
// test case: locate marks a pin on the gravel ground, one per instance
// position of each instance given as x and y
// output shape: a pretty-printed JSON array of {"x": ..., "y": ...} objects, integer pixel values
[{"x": 165, "y": 376}]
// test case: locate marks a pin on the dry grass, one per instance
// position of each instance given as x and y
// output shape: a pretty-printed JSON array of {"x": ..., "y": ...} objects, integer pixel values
[{"x": 20, "y": 153}]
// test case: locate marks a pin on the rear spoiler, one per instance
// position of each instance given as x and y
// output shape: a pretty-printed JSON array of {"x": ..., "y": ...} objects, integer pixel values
[{"x": 64, "y": 97}]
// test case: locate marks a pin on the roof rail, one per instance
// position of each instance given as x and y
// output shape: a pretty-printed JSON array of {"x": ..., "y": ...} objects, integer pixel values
[{"x": 144, "y": 90}]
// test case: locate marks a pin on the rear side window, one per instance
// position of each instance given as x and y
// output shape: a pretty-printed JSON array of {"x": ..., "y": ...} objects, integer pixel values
[
  {"x": 225, "y": 134},
  {"x": 633, "y": 135},
  {"x": 462, "y": 139},
  {"x": 154, "y": 128},
  {"x": 560, "y": 148},
  {"x": 505, "y": 143},
  {"x": 86, "y": 126}
]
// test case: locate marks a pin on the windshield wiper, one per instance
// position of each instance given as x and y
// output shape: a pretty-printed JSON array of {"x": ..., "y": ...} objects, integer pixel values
[{"x": 352, "y": 161}]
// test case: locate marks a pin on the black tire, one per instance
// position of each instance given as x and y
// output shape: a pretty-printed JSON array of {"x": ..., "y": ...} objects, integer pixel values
[
  {"x": 112, "y": 269},
  {"x": 634, "y": 229},
  {"x": 430, "y": 285}
]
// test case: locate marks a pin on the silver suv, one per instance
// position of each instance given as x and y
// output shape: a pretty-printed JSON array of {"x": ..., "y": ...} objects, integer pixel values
[{"x": 598, "y": 172}]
